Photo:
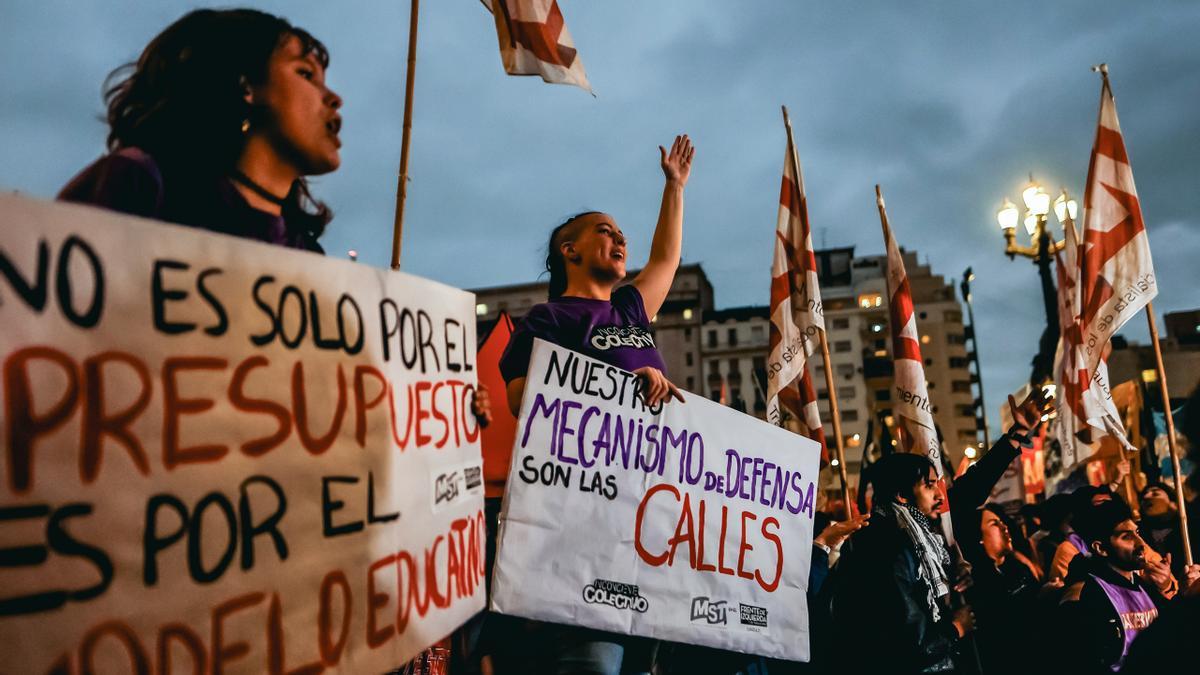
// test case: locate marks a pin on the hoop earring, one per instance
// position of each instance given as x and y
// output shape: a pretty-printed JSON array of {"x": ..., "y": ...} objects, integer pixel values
[{"x": 246, "y": 125}]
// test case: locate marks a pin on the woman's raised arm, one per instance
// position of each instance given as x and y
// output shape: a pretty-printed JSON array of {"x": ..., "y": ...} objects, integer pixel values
[{"x": 656, "y": 277}]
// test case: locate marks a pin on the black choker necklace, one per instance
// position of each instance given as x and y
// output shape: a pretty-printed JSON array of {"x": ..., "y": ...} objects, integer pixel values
[{"x": 257, "y": 189}]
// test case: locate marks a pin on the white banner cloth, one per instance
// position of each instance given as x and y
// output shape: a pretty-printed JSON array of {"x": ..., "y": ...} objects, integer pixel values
[
  {"x": 690, "y": 523},
  {"x": 222, "y": 455}
]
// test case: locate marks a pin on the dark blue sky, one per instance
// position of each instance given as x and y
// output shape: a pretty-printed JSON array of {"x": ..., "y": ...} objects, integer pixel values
[{"x": 947, "y": 105}]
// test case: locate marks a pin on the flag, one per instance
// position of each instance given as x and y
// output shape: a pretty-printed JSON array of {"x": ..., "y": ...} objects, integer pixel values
[
  {"x": 911, "y": 409},
  {"x": 800, "y": 399},
  {"x": 534, "y": 40},
  {"x": 912, "y": 412},
  {"x": 1086, "y": 408},
  {"x": 1116, "y": 276},
  {"x": 796, "y": 315},
  {"x": 498, "y": 437}
]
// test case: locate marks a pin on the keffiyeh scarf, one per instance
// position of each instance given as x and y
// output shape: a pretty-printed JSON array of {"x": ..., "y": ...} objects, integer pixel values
[{"x": 932, "y": 557}]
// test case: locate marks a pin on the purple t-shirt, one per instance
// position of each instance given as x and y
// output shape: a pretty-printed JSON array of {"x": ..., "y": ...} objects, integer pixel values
[{"x": 615, "y": 331}]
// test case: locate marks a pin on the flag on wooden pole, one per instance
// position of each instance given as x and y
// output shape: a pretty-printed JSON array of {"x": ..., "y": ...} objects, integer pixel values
[
  {"x": 796, "y": 318},
  {"x": 1086, "y": 411},
  {"x": 911, "y": 408},
  {"x": 913, "y": 412},
  {"x": 1116, "y": 275},
  {"x": 800, "y": 399},
  {"x": 534, "y": 40}
]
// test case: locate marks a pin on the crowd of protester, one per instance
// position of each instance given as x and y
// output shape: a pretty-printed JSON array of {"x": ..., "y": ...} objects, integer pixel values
[{"x": 226, "y": 113}]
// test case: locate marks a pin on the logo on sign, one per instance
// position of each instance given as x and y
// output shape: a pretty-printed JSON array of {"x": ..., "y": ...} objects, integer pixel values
[
  {"x": 446, "y": 487},
  {"x": 713, "y": 612},
  {"x": 455, "y": 484},
  {"x": 473, "y": 476},
  {"x": 615, "y": 594},
  {"x": 755, "y": 617}
]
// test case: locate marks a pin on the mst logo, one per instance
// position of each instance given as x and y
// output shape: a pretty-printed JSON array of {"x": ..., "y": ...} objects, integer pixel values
[
  {"x": 615, "y": 594},
  {"x": 714, "y": 612},
  {"x": 756, "y": 617}
]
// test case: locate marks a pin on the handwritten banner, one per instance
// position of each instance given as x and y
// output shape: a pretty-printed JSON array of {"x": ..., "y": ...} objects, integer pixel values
[
  {"x": 685, "y": 522},
  {"x": 221, "y": 455}
]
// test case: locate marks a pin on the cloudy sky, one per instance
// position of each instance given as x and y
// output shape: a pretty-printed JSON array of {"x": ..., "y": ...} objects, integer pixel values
[{"x": 949, "y": 105}]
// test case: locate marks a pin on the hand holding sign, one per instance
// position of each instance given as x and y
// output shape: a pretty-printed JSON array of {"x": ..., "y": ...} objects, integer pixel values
[{"x": 655, "y": 387}]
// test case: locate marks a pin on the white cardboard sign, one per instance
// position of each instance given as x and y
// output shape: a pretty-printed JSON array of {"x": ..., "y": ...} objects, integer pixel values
[
  {"x": 221, "y": 455},
  {"x": 691, "y": 522}
]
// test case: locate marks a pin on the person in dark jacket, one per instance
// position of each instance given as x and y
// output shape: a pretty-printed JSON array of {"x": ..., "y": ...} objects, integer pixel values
[
  {"x": 891, "y": 610},
  {"x": 1107, "y": 602},
  {"x": 216, "y": 126}
]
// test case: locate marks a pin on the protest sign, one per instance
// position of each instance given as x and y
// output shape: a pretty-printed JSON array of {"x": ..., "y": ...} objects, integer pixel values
[
  {"x": 224, "y": 456},
  {"x": 688, "y": 522}
]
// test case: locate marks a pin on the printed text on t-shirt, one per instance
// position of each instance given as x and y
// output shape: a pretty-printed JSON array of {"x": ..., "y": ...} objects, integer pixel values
[{"x": 608, "y": 337}]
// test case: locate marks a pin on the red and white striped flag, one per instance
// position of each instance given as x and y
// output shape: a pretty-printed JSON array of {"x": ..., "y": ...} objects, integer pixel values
[
  {"x": 1116, "y": 275},
  {"x": 1085, "y": 403},
  {"x": 534, "y": 40},
  {"x": 800, "y": 398},
  {"x": 913, "y": 412},
  {"x": 796, "y": 316},
  {"x": 911, "y": 408}
]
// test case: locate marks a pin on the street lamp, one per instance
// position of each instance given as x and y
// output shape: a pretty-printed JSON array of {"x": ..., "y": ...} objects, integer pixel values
[{"x": 1042, "y": 246}]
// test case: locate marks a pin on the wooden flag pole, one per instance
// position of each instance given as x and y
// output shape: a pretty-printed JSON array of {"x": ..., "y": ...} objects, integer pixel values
[
  {"x": 1162, "y": 387},
  {"x": 402, "y": 183},
  {"x": 830, "y": 389}
]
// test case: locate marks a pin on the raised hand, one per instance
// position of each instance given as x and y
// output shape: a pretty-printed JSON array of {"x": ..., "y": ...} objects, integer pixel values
[
  {"x": 656, "y": 388},
  {"x": 835, "y": 533},
  {"x": 1159, "y": 573},
  {"x": 677, "y": 164},
  {"x": 1027, "y": 415}
]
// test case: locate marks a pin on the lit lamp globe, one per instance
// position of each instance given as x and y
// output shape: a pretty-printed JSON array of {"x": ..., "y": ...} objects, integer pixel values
[
  {"x": 1008, "y": 215},
  {"x": 1036, "y": 199},
  {"x": 1065, "y": 208}
]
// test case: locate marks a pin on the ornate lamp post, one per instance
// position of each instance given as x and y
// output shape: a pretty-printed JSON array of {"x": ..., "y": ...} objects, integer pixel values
[{"x": 1041, "y": 247}]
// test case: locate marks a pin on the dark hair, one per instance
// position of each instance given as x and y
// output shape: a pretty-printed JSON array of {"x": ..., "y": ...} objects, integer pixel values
[
  {"x": 556, "y": 264},
  {"x": 1097, "y": 522},
  {"x": 183, "y": 101},
  {"x": 896, "y": 474},
  {"x": 1055, "y": 511},
  {"x": 1156, "y": 484}
]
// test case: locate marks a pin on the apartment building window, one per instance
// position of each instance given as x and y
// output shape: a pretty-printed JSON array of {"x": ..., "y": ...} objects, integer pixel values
[
  {"x": 961, "y": 386},
  {"x": 733, "y": 366},
  {"x": 689, "y": 358},
  {"x": 956, "y": 339},
  {"x": 732, "y": 337},
  {"x": 845, "y": 370},
  {"x": 953, "y": 316},
  {"x": 841, "y": 346},
  {"x": 757, "y": 334},
  {"x": 883, "y": 394},
  {"x": 965, "y": 435},
  {"x": 870, "y": 300},
  {"x": 850, "y": 415},
  {"x": 958, "y": 362},
  {"x": 691, "y": 383},
  {"x": 738, "y": 403},
  {"x": 841, "y": 323},
  {"x": 712, "y": 338},
  {"x": 687, "y": 333},
  {"x": 846, "y": 392}
]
